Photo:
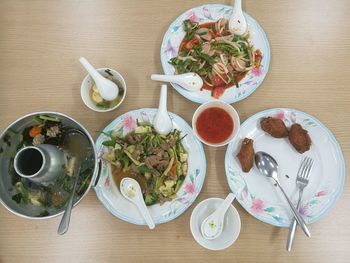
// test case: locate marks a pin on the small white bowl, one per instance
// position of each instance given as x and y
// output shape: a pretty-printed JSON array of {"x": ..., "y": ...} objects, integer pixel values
[
  {"x": 231, "y": 228},
  {"x": 87, "y": 83},
  {"x": 225, "y": 106}
]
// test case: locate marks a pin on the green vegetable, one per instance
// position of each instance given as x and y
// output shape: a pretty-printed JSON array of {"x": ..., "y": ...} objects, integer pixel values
[
  {"x": 151, "y": 199},
  {"x": 167, "y": 188},
  {"x": 21, "y": 190},
  {"x": 136, "y": 162}
]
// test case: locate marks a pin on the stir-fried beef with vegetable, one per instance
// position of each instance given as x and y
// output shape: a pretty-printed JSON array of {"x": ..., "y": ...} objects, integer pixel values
[
  {"x": 48, "y": 130},
  {"x": 159, "y": 163},
  {"x": 219, "y": 56}
]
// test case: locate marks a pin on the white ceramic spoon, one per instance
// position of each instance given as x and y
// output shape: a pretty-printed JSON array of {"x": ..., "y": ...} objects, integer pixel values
[
  {"x": 237, "y": 22},
  {"x": 189, "y": 81},
  {"x": 212, "y": 226},
  {"x": 131, "y": 190},
  {"x": 107, "y": 89},
  {"x": 162, "y": 122}
]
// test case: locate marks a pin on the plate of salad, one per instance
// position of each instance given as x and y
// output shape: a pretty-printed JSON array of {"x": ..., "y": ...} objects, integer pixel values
[
  {"x": 170, "y": 169},
  {"x": 231, "y": 66}
]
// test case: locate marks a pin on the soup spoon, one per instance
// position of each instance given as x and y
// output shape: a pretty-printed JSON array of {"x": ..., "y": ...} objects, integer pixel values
[
  {"x": 268, "y": 166},
  {"x": 162, "y": 122},
  {"x": 131, "y": 190},
  {"x": 189, "y": 81},
  {"x": 107, "y": 89},
  {"x": 237, "y": 22},
  {"x": 212, "y": 226},
  {"x": 77, "y": 145}
]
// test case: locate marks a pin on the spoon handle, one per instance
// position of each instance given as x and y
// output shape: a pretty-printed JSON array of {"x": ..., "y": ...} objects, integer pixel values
[
  {"x": 297, "y": 217},
  {"x": 163, "y": 99},
  {"x": 237, "y": 5},
  {"x": 89, "y": 68},
  {"x": 225, "y": 205},
  {"x": 145, "y": 213},
  {"x": 64, "y": 224},
  {"x": 165, "y": 78}
]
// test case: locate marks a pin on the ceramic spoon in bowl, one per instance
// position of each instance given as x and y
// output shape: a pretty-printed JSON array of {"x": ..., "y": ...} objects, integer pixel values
[
  {"x": 131, "y": 190},
  {"x": 189, "y": 81},
  {"x": 107, "y": 89},
  {"x": 237, "y": 22},
  {"x": 162, "y": 122},
  {"x": 212, "y": 226}
]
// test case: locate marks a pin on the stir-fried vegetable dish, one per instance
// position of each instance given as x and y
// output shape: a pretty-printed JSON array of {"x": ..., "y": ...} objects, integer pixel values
[
  {"x": 219, "y": 56},
  {"x": 159, "y": 163}
]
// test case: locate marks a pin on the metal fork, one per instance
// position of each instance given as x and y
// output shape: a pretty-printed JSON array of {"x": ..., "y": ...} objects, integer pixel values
[{"x": 303, "y": 176}]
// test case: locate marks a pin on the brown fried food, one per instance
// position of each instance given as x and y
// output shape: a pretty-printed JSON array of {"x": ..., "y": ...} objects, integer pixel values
[
  {"x": 275, "y": 127},
  {"x": 299, "y": 138},
  {"x": 246, "y": 155}
]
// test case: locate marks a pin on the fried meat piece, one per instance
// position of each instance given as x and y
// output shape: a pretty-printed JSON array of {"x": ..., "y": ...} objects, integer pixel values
[
  {"x": 246, "y": 155},
  {"x": 299, "y": 138},
  {"x": 275, "y": 127}
]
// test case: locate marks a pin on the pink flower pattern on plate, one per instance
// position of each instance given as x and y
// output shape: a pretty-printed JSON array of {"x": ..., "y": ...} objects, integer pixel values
[
  {"x": 256, "y": 72},
  {"x": 129, "y": 124},
  {"x": 257, "y": 206},
  {"x": 321, "y": 193},
  {"x": 280, "y": 115},
  {"x": 190, "y": 188},
  {"x": 192, "y": 16}
]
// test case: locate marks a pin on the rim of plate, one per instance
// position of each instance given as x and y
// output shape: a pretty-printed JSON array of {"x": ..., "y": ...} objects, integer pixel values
[
  {"x": 340, "y": 157},
  {"x": 267, "y": 56},
  {"x": 158, "y": 220}
]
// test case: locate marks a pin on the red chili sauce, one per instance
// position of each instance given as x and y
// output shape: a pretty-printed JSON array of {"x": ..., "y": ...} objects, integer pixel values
[
  {"x": 219, "y": 85},
  {"x": 214, "y": 125}
]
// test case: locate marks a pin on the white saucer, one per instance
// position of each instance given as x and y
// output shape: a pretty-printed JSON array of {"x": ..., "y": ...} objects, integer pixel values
[{"x": 231, "y": 229}]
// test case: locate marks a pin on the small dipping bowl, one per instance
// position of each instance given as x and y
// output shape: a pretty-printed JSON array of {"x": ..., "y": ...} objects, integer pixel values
[
  {"x": 226, "y": 107},
  {"x": 231, "y": 226},
  {"x": 88, "y": 82}
]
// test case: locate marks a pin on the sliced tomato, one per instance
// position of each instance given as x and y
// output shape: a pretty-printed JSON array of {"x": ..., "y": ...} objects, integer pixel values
[
  {"x": 218, "y": 92},
  {"x": 217, "y": 81},
  {"x": 190, "y": 44}
]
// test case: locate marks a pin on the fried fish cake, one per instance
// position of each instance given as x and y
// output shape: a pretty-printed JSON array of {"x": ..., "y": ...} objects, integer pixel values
[
  {"x": 299, "y": 138},
  {"x": 275, "y": 127},
  {"x": 246, "y": 155}
]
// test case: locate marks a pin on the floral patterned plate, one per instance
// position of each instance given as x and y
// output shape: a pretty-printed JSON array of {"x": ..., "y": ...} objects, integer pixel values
[
  {"x": 258, "y": 195},
  {"x": 211, "y": 13},
  {"x": 112, "y": 199}
]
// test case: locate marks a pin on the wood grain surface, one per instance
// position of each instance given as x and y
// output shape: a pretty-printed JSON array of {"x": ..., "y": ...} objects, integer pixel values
[{"x": 40, "y": 43}]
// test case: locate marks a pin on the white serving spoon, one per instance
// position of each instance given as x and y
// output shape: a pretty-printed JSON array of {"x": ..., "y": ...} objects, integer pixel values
[
  {"x": 189, "y": 81},
  {"x": 212, "y": 226},
  {"x": 131, "y": 190},
  {"x": 237, "y": 22},
  {"x": 162, "y": 122},
  {"x": 107, "y": 89}
]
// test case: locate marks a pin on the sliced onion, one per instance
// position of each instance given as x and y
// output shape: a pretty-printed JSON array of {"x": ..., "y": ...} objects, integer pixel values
[
  {"x": 204, "y": 34},
  {"x": 187, "y": 57}
]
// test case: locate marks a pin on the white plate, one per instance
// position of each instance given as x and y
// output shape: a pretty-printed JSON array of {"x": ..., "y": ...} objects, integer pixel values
[
  {"x": 109, "y": 194},
  {"x": 211, "y": 13},
  {"x": 259, "y": 196}
]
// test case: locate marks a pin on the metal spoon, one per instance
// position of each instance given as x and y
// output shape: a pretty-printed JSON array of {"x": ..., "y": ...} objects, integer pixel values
[
  {"x": 107, "y": 89},
  {"x": 77, "y": 144},
  {"x": 212, "y": 226},
  {"x": 131, "y": 190},
  {"x": 237, "y": 22},
  {"x": 162, "y": 122},
  {"x": 268, "y": 166},
  {"x": 189, "y": 81}
]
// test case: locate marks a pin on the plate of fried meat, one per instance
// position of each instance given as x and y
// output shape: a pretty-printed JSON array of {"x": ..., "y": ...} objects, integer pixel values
[{"x": 288, "y": 135}]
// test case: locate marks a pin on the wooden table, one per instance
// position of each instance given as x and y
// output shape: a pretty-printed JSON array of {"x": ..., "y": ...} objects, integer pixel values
[{"x": 40, "y": 43}]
